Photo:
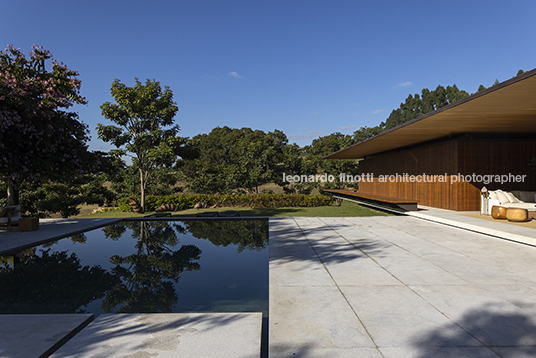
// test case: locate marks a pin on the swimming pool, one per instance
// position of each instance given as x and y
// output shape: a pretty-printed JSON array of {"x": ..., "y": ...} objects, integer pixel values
[{"x": 143, "y": 266}]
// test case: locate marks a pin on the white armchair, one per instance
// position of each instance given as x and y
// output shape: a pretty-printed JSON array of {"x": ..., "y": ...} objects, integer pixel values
[{"x": 514, "y": 199}]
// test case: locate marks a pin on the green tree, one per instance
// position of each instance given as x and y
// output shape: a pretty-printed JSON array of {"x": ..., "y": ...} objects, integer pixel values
[
  {"x": 454, "y": 94},
  {"x": 295, "y": 162},
  {"x": 333, "y": 142},
  {"x": 325, "y": 145},
  {"x": 65, "y": 198},
  {"x": 259, "y": 154},
  {"x": 144, "y": 127},
  {"x": 127, "y": 182},
  {"x": 364, "y": 133},
  {"x": 228, "y": 159},
  {"x": 428, "y": 101},
  {"x": 211, "y": 164}
]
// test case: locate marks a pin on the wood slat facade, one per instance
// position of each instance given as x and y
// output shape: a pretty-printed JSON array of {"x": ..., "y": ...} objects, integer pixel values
[{"x": 441, "y": 162}]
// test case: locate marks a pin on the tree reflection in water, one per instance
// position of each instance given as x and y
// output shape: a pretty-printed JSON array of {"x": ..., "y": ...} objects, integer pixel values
[
  {"x": 245, "y": 234},
  {"x": 147, "y": 275},
  {"x": 51, "y": 281},
  {"x": 54, "y": 282}
]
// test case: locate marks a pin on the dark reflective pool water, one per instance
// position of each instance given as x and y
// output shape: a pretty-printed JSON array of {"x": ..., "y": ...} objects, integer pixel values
[{"x": 143, "y": 266}]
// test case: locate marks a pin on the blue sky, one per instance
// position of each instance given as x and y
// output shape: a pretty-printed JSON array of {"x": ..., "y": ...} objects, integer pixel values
[{"x": 308, "y": 68}]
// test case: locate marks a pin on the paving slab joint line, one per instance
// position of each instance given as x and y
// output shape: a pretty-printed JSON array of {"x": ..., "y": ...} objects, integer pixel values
[
  {"x": 456, "y": 323},
  {"x": 402, "y": 248},
  {"x": 67, "y": 337},
  {"x": 338, "y": 288},
  {"x": 412, "y": 290},
  {"x": 368, "y": 256}
]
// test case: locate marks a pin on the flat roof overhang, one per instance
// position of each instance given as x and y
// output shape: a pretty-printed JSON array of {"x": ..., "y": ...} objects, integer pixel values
[{"x": 508, "y": 107}]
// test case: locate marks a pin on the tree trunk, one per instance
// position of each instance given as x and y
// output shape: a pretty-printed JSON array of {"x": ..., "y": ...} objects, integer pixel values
[
  {"x": 12, "y": 193},
  {"x": 142, "y": 186}
]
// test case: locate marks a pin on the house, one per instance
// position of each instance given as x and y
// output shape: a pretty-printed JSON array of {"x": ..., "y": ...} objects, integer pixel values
[{"x": 444, "y": 158}]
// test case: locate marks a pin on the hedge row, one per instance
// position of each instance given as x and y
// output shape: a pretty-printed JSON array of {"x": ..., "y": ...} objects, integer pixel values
[{"x": 253, "y": 200}]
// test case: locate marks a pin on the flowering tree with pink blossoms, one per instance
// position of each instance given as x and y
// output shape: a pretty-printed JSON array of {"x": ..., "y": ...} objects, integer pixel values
[{"x": 39, "y": 139}]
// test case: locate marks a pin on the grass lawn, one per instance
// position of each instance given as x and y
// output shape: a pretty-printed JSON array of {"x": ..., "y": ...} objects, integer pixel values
[{"x": 345, "y": 209}]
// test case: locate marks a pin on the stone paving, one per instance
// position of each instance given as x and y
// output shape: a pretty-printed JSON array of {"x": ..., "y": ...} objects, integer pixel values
[
  {"x": 398, "y": 287},
  {"x": 168, "y": 335},
  {"x": 38, "y": 335},
  {"x": 49, "y": 229}
]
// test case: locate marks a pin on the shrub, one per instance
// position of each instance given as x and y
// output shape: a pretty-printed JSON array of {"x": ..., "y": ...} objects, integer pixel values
[{"x": 152, "y": 202}]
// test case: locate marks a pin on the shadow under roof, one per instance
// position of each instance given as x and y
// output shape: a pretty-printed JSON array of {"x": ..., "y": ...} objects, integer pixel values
[{"x": 508, "y": 107}]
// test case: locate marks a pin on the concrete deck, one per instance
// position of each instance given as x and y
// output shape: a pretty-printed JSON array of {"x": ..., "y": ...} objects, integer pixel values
[
  {"x": 168, "y": 335},
  {"x": 36, "y": 335},
  {"x": 49, "y": 229},
  {"x": 398, "y": 287},
  {"x": 522, "y": 232}
]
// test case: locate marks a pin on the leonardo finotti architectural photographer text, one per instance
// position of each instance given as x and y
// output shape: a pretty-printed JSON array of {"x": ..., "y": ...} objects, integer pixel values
[{"x": 406, "y": 178}]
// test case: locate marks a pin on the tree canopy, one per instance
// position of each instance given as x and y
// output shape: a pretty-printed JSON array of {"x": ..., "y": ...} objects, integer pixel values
[
  {"x": 41, "y": 139},
  {"x": 429, "y": 101},
  {"x": 413, "y": 107},
  {"x": 144, "y": 117},
  {"x": 231, "y": 158},
  {"x": 325, "y": 145}
]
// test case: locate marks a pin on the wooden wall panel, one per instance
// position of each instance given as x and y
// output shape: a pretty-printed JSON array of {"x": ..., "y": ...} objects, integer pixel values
[
  {"x": 450, "y": 159},
  {"x": 436, "y": 194},
  {"x": 432, "y": 161},
  {"x": 499, "y": 158}
]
